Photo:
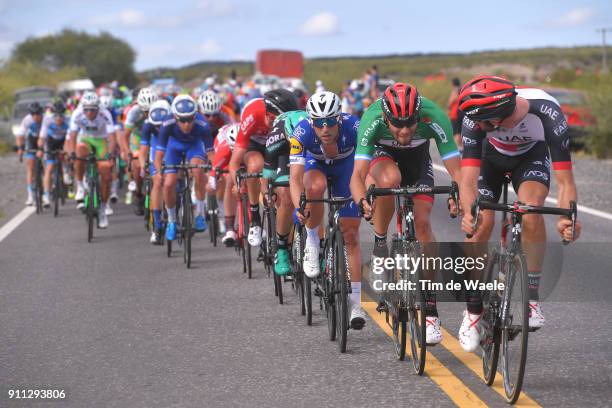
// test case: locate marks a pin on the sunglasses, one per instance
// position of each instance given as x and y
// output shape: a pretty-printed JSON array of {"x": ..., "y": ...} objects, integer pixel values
[
  {"x": 90, "y": 110},
  {"x": 405, "y": 123},
  {"x": 319, "y": 123},
  {"x": 186, "y": 120}
]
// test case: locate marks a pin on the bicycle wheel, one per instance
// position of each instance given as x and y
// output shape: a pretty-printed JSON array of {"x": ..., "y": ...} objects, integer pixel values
[
  {"x": 399, "y": 315},
  {"x": 38, "y": 186},
  {"x": 247, "y": 246},
  {"x": 187, "y": 228},
  {"x": 57, "y": 188},
  {"x": 296, "y": 250},
  {"x": 89, "y": 212},
  {"x": 490, "y": 300},
  {"x": 415, "y": 303},
  {"x": 515, "y": 325},
  {"x": 330, "y": 287},
  {"x": 341, "y": 292}
]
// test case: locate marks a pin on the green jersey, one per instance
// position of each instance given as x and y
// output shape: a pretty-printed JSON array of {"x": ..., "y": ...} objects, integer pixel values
[
  {"x": 433, "y": 124},
  {"x": 291, "y": 120}
]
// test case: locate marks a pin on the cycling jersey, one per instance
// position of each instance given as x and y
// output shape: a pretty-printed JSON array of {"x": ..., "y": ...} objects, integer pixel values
[
  {"x": 433, "y": 124},
  {"x": 223, "y": 154},
  {"x": 52, "y": 130},
  {"x": 253, "y": 126},
  {"x": 175, "y": 143},
  {"x": 544, "y": 122},
  {"x": 306, "y": 150},
  {"x": 28, "y": 127},
  {"x": 305, "y": 144},
  {"x": 134, "y": 121},
  {"x": 276, "y": 158},
  {"x": 149, "y": 135},
  {"x": 98, "y": 128}
]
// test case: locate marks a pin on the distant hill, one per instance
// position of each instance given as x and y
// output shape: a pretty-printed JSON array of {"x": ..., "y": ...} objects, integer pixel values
[{"x": 526, "y": 65}]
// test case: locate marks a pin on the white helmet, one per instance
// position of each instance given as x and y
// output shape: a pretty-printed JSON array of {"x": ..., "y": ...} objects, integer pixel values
[
  {"x": 209, "y": 102},
  {"x": 184, "y": 106},
  {"x": 90, "y": 100},
  {"x": 323, "y": 105},
  {"x": 146, "y": 97},
  {"x": 160, "y": 109},
  {"x": 106, "y": 101},
  {"x": 229, "y": 133}
]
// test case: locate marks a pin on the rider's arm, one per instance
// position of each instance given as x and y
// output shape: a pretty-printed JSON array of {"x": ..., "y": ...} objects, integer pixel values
[
  {"x": 360, "y": 171},
  {"x": 470, "y": 163},
  {"x": 441, "y": 130},
  {"x": 296, "y": 183},
  {"x": 367, "y": 136},
  {"x": 242, "y": 142}
]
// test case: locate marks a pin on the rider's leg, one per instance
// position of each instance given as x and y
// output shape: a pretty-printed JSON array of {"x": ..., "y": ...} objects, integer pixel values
[
  {"x": 254, "y": 164},
  {"x": 386, "y": 174}
]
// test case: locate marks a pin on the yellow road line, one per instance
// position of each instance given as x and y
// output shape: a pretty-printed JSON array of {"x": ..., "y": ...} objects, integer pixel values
[
  {"x": 474, "y": 363},
  {"x": 456, "y": 390}
]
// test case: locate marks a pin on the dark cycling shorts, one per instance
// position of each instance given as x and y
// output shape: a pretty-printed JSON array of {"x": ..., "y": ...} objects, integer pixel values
[
  {"x": 276, "y": 157},
  {"x": 256, "y": 147},
  {"x": 533, "y": 165},
  {"x": 414, "y": 165},
  {"x": 53, "y": 144}
]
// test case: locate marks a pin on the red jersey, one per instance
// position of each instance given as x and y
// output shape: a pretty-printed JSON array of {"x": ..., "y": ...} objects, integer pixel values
[
  {"x": 223, "y": 154},
  {"x": 253, "y": 124}
]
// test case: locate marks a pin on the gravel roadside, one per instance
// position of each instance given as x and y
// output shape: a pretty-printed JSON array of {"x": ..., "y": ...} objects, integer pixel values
[{"x": 593, "y": 177}]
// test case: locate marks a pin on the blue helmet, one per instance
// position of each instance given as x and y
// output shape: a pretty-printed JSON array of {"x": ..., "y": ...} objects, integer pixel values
[{"x": 184, "y": 106}]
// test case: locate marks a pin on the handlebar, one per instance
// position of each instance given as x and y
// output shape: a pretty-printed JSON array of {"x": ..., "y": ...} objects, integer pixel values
[{"x": 452, "y": 191}]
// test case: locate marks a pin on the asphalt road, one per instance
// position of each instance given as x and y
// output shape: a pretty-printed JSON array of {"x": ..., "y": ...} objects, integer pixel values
[{"x": 117, "y": 324}]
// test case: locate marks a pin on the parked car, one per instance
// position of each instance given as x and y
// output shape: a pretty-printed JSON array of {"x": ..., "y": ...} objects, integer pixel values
[{"x": 22, "y": 100}]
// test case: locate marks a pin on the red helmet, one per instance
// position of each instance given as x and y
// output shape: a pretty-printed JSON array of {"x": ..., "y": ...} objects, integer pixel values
[
  {"x": 487, "y": 97},
  {"x": 401, "y": 104}
]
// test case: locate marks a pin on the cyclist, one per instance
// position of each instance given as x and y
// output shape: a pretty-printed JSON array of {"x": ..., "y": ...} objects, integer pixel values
[
  {"x": 92, "y": 128},
  {"x": 107, "y": 102},
  {"x": 27, "y": 138},
  {"x": 255, "y": 122},
  {"x": 276, "y": 167},
  {"x": 323, "y": 145},
  {"x": 209, "y": 103},
  {"x": 525, "y": 128},
  {"x": 224, "y": 145},
  {"x": 159, "y": 111},
  {"x": 52, "y": 136},
  {"x": 183, "y": 133},
  {"x": 393, "y": 151},
  {"x": 134, "y": 121}
]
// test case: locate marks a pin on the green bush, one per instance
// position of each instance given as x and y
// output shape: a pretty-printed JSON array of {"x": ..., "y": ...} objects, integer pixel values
[{"x": 599, "y": 141}]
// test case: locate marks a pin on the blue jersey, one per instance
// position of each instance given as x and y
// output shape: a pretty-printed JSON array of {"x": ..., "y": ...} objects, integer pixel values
[
  {"x": 306, "y": 145},
  {"x": 50, "y": 129},
  {"x": 149, "y": 134},
  {"x": 199, "y": 132}
]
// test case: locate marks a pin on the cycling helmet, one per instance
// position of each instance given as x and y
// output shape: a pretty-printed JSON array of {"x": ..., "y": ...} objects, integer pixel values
[
  {"x": 229, "y": 133},
  {"x": 160, "y": 109},
  {"x": 487, "y": 97},
  {"x": 146, "y": 97},
  {"x": 184, "y": 106},
  {"x": 401, "y": 104},
  {"x": 35, "y": 108},
  {"x": 209, "y": 102},
  {"x": 280, "y": 101},
  {"x": 90, "y": 100},
  {"x": 106, "y": 101},
  {"x": 323, "y": 105},
  {"x": 58, "y": 107}
]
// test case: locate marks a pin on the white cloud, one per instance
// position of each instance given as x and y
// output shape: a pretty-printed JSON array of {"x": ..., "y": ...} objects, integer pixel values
[
  {"x": 321, "y": 24},
  {"x": 216, "y": 8},
  {"x": 573, "y": 18},
  {"x": 128, "y": 18},
  {"x": 209, "y": 48},
  {"x": 5, "y": 48},
  {"x": 132, "y": 18}
]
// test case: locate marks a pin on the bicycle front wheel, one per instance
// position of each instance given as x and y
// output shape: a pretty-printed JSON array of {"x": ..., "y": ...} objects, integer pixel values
[
  {"x": 245, "y": 228},
  {"x": 415, "y": 302},
  {"x": 57, "y": 188},
  {"x": 330, "y": 288},
  {"x": 187, "y": 228},
  {"x": 515, "y": 325},
  {"x": 399, "y": 315},
  {"x": 341, "y": 293},
  {"x": 490, "y": 300}
]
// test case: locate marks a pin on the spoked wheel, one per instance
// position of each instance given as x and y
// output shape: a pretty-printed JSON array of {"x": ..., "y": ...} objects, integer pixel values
[
  {"x": 399, "y": 314},
  {"x": 38, "y": 185},
  {"x": 416, "y": 311},
  {"x": 57, "y": 189},
  {"x": 514, "y": 326},
  {"x": 490, "y": 343},
  {"x": 341, "y": 293}
]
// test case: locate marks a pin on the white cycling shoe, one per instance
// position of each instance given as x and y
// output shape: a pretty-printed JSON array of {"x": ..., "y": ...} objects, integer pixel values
[
  {"x": 254, "y": 237},
  {"x": 433, "y": 334},
  {"x": 80, "y": 193},
  {"x": 229, "y": 239},
  {"x": 358, "y": 317},
  {"x": 536, "y": 318},
  {"x": 45, "y": 201},
  {"x": 102, "y": 219},
  {"x": 108, "y": 210},
  {"x": 311, "y": 261},
  {"x": 470, "y": 332},
  {"x": 30, "y": 200}
]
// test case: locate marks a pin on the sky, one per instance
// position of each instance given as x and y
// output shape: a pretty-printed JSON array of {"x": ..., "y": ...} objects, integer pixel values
[{"x": 175, "y": 33}]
